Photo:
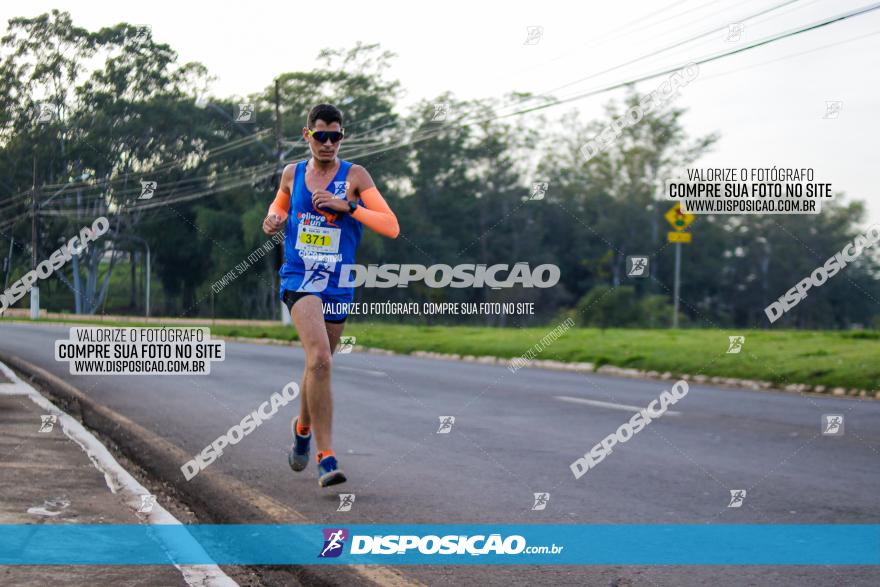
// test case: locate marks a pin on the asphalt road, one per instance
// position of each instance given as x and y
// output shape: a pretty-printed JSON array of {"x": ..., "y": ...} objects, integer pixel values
[{"x": 516, "y": 434}]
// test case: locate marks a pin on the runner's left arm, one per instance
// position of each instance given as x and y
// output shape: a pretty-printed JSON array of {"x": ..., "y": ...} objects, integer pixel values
[{"x": 375, "y": 213}]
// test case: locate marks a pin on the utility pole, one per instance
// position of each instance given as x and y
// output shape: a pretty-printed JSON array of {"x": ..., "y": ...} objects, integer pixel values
[
  {"x": 149, "y": 270},
  {"x": 278, "y": 150},
  {"x": 77, "y": 292},
  {"x": 8, "y": 262},
  {"x": 677, "y": 285},
  {"x": 35, "y": 290},
  {"x": 133, "y": 285}
]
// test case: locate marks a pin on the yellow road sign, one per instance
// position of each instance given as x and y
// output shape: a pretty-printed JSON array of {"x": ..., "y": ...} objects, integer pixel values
[
  {"x": 677, "y": 219},
  {"x": 679, "y": 237}
]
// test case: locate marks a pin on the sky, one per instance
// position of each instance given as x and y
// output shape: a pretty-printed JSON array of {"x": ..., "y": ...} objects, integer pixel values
[{"x": 769, "y": 104}]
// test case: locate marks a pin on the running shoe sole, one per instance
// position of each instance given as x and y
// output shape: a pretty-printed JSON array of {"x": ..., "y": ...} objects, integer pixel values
[
  {"x": 329, "y": 472},
  {"x": 332, "y": 478},
  {"x": 297, "y": 462}
]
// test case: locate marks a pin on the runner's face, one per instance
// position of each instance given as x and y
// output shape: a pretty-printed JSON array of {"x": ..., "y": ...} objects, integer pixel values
[{"x": 323, "y": 151}]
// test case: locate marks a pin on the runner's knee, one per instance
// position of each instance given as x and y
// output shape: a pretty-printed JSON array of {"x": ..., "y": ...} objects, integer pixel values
[{"x": 318, "y": 362}]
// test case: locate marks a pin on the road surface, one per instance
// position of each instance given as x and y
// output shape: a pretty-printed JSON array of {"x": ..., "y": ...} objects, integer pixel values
[{"x": 516, "y": 434}]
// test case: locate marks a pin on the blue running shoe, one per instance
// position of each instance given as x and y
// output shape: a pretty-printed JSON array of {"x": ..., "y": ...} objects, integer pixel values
[
  {"x": 329, "y": 472},
  {"x": 298, "y": 457}
]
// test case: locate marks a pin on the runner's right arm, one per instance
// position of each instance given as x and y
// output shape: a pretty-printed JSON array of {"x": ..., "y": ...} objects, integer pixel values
[{"x": 277, "y": 215}]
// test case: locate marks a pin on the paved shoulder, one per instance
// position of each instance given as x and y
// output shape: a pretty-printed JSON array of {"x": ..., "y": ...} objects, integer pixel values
[{"x": 56, "y": 472}]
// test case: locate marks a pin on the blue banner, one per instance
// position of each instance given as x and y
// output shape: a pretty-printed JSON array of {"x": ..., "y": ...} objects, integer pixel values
[{"x": 440, "y": 544}]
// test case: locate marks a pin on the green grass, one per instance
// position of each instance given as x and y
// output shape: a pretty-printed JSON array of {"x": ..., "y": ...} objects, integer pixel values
[{"x": 832, "y": 358}]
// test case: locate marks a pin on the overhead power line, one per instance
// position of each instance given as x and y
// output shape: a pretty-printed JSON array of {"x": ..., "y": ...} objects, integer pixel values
[{"x": 621, "y": 84}]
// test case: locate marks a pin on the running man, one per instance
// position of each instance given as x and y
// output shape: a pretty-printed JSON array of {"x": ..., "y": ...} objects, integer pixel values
[{"x": 323, "y": 204}]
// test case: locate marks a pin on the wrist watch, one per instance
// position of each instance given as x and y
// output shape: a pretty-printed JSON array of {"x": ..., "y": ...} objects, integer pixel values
[{"x": 352, "y": 206}]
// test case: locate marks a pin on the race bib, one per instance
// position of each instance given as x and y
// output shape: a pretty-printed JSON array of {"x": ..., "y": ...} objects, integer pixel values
[{"x": 318, "y": 238}]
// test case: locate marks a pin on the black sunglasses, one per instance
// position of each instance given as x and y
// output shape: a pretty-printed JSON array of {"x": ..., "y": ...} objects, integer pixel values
[{"x": 322, "y": 135}]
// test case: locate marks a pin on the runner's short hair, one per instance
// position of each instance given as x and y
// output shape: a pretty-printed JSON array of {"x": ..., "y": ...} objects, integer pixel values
[{"x": 326, "y": 112}]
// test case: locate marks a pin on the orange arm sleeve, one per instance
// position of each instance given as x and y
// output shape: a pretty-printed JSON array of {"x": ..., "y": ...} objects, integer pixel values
[
  {"x": 376, "y": 214},
  {"x": 281, "y": 204}
]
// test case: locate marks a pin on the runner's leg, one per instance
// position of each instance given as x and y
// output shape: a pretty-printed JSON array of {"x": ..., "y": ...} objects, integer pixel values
[
  {"x": 308, "y": 317},
  {"x": 304, "y": 418},
  {"x": 334, "y": 332}
]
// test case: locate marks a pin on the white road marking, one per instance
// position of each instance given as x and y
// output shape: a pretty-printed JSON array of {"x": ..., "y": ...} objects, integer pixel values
[
  {"x": 41, "y": 512},
  {"x": 609, "y": 405},
  {"x": 119, "y": 481},
  {"x": 359, "y": 370}
]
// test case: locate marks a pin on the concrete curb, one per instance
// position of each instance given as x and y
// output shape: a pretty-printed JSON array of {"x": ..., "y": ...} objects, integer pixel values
[
  {"x": 753, "y": 384},
  {"x": 213, "y": 496},
  {"x": 117, "y": 480}
]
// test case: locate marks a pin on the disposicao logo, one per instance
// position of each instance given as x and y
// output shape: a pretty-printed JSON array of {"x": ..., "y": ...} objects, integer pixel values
[{"x": 334, "y": 541}]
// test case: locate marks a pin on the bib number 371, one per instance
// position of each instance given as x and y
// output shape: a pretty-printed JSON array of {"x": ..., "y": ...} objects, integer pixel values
[{"x": 318, "y": 238}]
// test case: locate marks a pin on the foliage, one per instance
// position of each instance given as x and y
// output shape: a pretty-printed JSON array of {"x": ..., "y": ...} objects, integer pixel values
[{"x": 127, "y": 112}]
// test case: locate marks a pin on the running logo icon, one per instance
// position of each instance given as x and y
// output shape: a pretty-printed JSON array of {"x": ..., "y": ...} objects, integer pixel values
[
  {"x": 148, "y": 188},
  {"x": 317, "y": 276},
  {"x": 334, "y": 541},
  {"x": 45, "y": 113},
  {"x": 346, "y": 500},
  {"x": 539, "y": 190},
  {"x": 143, "y": 31},
  {"x": 147, "y": 503},
  {"x": 446, "y": 424},
  {"x": 832, "y": 424},
  {"x": 245, "y": 113},
  {"x": 47, "y": 423},
  {"x": 636, "y": 266},
  {"x": 440, "y": 112},
  {"x": 734, "y": 32},
  {"x": 737, "y": 496},
  {"x": 832, "y": 109},
  {"x": 340, "y": 188},
  {"x": 736, "y": 344},
  {"x": 346, "y": 344},
  {"x": 541, "y": 500},
  {"x": 533, "y": 35}
]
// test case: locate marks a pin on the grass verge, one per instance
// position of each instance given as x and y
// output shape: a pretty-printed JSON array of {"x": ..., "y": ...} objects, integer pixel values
[{"x": 849, "y": 359}]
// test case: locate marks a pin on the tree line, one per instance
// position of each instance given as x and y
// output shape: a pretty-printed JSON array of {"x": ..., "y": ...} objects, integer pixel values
[{"x": 91, "y": 118}]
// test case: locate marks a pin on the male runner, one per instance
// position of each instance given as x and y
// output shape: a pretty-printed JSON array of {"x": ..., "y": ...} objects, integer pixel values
[{"x": 323, "y": 230}]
